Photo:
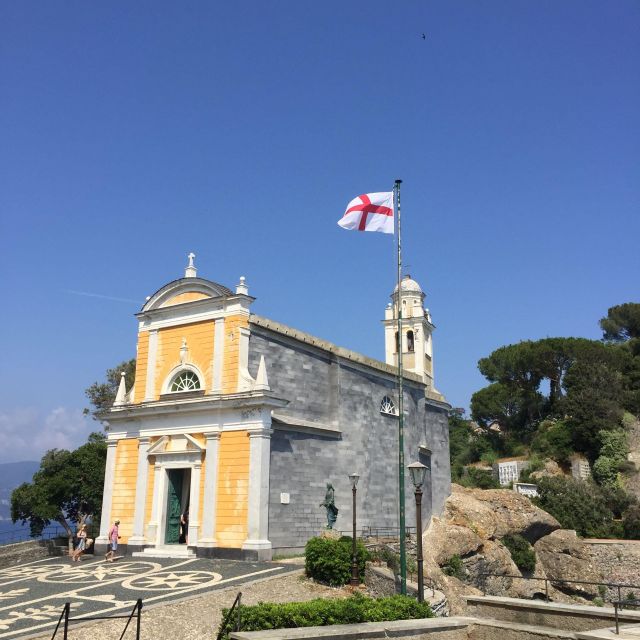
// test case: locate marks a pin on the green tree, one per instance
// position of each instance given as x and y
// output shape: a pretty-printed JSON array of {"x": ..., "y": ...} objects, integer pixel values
[
  {"x": 67, "y": 488},
  {"x": 593, "y": 403},
  {"x": 553, "y": 440},
  {"x": 576, "y": 505},
  {"x": 622, "y": 322},
  {"x": 102, "y": 394},
  {"x": 512, "y": 408}
]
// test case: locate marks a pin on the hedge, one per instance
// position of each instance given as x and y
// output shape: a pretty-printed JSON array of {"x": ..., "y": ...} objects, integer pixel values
[{"x": 322, "y": 612}]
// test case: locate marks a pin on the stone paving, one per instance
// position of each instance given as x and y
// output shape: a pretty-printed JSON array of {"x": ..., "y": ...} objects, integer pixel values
[{"x": 33, "y": 594}]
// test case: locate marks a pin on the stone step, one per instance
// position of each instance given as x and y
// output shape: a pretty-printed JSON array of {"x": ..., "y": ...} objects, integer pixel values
[{"x": 166, "y": 551}]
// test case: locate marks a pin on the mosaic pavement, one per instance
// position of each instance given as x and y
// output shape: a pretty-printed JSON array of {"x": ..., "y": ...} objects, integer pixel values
[{"x": 32, "y": 595}]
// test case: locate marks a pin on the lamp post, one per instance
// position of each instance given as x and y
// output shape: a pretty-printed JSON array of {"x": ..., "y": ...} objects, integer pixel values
[
  {"x": 355, "y": 576},
  {"x": 418, "y": 473}
]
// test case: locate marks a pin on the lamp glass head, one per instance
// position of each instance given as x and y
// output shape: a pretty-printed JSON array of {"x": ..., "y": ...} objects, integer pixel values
[
  {"x": 354, "y": 477},
  {"x": 418, "y": 473}
]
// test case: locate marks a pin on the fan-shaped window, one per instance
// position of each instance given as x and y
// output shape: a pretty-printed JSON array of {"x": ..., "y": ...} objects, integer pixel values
[
  {"x": 410, "y": 341},
  {"x": 185, "y": 381},
  {"x": 388, "y": 407}
]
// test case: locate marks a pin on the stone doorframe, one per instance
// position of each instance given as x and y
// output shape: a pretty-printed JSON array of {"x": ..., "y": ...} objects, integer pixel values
[{"x": 166, "y": 458}]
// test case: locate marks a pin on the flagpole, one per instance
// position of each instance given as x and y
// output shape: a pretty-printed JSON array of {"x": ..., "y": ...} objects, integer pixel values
[{"x": 403, "y": 550}]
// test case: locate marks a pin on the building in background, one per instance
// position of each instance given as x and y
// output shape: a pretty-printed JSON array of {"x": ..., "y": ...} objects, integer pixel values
[
  {"x": 240, "y": 422},
  {"x": 507, "y": 470},
  {"x": 580, "y": 468}
]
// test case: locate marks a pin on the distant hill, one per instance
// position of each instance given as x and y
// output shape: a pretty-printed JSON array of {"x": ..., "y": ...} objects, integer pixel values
[{"x": 12, "y": 475}]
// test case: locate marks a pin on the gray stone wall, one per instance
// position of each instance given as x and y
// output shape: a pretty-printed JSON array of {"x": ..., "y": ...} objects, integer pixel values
[
  {"x": 618, "y": 562},
  {"x": 22, "y": 552},
  {"x": 322, "y": 387}
]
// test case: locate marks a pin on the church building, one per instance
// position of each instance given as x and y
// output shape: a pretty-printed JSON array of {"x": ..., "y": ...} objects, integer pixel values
[{"x": 240, "y": 421}]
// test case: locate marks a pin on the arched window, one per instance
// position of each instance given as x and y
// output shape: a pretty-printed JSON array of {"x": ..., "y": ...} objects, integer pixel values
[
  {"x": 410, "y": 341},
  {"x": 388, "y": 407},
  {"x": 185, "y": 381},
  {"x": 397, "y": 343}
]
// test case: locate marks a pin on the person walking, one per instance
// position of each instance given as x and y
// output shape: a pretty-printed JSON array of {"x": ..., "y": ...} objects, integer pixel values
[
  {"x": 82, "y": 543},
  {"x": 113, "y": 541}
]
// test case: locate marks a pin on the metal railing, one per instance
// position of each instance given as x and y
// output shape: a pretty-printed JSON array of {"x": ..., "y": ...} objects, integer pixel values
[
  {"x": 227, "y": 617},
  {"x": 11, "y": 536},
  {"x": 553, "y": 581},
  {"x": 65, "y": 620},
  {"x": 621, "y": 604}
]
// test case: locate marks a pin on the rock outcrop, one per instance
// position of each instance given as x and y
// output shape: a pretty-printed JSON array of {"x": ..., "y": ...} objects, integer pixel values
[
  {"x": 495, "y": 513},
  {"x": 472, "y": 525},
  {"x": 565, "y": 557}
]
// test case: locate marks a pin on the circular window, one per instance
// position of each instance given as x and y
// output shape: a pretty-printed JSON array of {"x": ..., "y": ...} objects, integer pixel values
[{"x": 186, "y": 381}]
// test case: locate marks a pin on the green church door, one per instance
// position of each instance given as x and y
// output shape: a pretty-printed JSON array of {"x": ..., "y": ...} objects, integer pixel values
[{"x": 174, "y": 510}]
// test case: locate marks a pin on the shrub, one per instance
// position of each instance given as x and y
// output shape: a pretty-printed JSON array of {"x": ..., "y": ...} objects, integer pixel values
[
  {"x": 631, "y": 522},
  {"x": 322, "y": 612},
  {"x": 605, "y": 472},
  {"x": 576, "y": 505},
  {"x": 521, "y": 552},
  {"x": 479, "y": 479},
  {"x": 554, "y": 440},
  {"x": 454, "y": 567},
  {"x": 329, "y": 561}
]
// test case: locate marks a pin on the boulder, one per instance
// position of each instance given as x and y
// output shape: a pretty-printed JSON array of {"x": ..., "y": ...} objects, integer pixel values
[
  {"x": 565, "y": 557},
  {"x": 494, "y": 513},
  {"x": 443, "y": 540}
]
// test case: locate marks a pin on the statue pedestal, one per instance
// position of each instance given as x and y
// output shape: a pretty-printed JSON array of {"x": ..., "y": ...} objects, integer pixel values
[{"x": 332, "y": 534}]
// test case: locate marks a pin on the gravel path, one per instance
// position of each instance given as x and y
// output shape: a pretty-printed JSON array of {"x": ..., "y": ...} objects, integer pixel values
[{"x": 198, "y": 618}]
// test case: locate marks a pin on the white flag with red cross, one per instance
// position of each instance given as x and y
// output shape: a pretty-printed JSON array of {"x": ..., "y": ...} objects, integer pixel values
[{"x": 370, "y": 212}]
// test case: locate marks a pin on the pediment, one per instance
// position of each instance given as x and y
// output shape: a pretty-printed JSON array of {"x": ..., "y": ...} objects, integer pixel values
[
  {"x": 185, "y": 290},
  {"x": 182, "y": 443}
]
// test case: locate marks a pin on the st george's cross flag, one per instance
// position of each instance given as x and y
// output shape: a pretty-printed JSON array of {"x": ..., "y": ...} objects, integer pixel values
[{"x": 370, "y": 212}]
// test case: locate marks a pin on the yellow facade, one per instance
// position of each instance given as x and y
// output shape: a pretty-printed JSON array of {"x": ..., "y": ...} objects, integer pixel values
[
  {"x": 167, "y": 358},
  {"x": 190, "y": 296},
  {"x": 124, "y": 486},
  {"x": 233, "y": 489},
  {"x": 199, "y": 337}
]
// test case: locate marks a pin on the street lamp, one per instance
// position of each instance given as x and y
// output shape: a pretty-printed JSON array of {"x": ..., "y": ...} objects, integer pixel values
[
  {"x": 355, "y": 576},
  {"x": 418, "y": 473}
]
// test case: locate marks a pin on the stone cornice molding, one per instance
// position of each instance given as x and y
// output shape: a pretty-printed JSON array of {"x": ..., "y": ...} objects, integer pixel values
[{"x": 206, "y": 403}]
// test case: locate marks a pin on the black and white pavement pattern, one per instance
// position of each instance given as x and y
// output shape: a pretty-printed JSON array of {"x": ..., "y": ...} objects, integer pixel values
[{"x": 32, "y": 595}]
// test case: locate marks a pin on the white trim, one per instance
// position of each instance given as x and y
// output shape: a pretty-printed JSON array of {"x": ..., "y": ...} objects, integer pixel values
[
  {"x": 141, "y": 493},
  {"x": 149, "y": 392},
  {"x": 245, "y": 381},
  {"x": 194, "y": 504},
  {"x": 175, "y": 372},
  {"x": 194, "y": 311},
  {"x": 258, "y": 507},
  {"x": 172, "y": 460},
  {"x": 107, "y": 496},
  {"x": 210, "y": 491},
  {"x": 218, "y": 356}
]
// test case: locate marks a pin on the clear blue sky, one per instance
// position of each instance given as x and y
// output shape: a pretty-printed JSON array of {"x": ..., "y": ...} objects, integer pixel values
[{"x": 133, "y": 133}]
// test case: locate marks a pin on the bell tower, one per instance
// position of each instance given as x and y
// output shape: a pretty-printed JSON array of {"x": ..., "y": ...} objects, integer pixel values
[{"x": 415, "y": 339}]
